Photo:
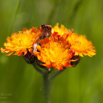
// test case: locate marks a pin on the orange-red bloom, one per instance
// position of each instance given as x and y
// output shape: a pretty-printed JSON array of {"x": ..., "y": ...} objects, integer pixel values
[
  {"x": 54, "y": 52},
  {"x": 79, "y": 43},
  {"x": 81, "y": 46},
  {"x": 62, "y": 30},
  {"x": 20, "y": 42}
]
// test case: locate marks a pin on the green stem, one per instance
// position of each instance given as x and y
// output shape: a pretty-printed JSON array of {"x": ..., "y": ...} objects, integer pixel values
[
  {"x": 37, "y": 68},
  {"x": 56, "y": 74},
  {"x": 46, "y": 87}
]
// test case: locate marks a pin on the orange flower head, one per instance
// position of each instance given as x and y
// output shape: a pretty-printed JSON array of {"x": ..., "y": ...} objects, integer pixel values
[
  {"x": 61, "y": 30},
  {"x": 80, "y": 45},
  {"x": 54, "y": 52},
  {"x": 21, "y": 42}
]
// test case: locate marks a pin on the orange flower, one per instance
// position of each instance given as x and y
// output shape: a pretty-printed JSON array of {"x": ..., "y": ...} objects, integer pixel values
[
  {"x": 54, "y": 52},
  {"x": 62, "y": 30},
  {"x": 20, "y": 43},
  {"x": 80, "y": 45}
]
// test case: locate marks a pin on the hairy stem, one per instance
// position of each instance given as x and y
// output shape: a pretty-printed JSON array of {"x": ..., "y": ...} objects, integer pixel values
[
  {"x": 46, "y": 87},
  {"x": 56, "y": 74},
  {"x": 37, "y": 68}
]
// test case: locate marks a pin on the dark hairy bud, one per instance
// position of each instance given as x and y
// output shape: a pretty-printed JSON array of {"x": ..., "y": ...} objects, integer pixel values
[
  {"x": 46, "y": 31},
  {"x": 75, "y": 61}
]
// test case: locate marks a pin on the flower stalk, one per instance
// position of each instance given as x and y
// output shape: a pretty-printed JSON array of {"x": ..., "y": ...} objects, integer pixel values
[
  {"x": 46, "y": 81},
  {"x": 37, "y": 68},
  {"x": 46, "y": 88},
  {"x": 56, "y": 74}
]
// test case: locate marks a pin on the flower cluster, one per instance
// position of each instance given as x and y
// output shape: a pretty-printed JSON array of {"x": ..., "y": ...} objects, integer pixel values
[{"x": 55, "y": 47}]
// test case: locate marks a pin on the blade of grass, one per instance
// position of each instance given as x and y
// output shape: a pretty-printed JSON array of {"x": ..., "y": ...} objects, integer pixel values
[{"x": 14, "y": 16}]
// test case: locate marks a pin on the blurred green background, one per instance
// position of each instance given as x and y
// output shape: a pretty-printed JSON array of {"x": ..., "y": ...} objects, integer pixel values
[{"x": 20, "y": 83}]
